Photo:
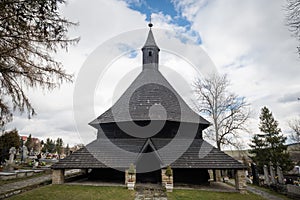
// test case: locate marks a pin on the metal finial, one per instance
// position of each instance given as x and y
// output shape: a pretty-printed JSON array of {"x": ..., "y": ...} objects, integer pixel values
[{"x": 150, "y": 24}]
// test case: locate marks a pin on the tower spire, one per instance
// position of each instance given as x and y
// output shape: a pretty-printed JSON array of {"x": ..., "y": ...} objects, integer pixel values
[{"x": 150, "y": 51}]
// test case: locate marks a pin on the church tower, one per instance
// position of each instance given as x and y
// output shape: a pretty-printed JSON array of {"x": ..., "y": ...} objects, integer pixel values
[{"x": 150, "y": 52}]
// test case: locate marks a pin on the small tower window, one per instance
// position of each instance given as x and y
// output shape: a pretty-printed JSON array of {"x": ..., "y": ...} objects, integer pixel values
[{"x": 150, "y": 53}]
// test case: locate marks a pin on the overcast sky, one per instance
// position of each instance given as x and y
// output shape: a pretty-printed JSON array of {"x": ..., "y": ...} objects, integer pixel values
[{"x": 248, "y": 40}]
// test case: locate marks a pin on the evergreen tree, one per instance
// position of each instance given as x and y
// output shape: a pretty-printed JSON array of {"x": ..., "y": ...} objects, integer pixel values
[
  {"x": 29, "y": 143},
  {"x": 7, "y": 140},
  {"x": 269, "y": 146},
  {"x": 59, "y": 146},
  {"x": 67, "y": 150},
  {"x": 49, "y": 146}
]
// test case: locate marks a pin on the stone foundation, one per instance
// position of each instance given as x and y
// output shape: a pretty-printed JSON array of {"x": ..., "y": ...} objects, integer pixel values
[
  {"x": 166, "y": 181},
  {"x": 240, "y": 181},
  {"x": 58, "y": 176},
  {"x": 127, "y": 177},
  {"x": 217, "y": 175},
  {"x": 211, "y": 175}
]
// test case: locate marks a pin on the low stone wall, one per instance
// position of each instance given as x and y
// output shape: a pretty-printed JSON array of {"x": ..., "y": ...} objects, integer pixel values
[
  {"x": 293, "y": 191},
  {"x": 17, "y": 174},
  {"x": 7, "y": 176}
]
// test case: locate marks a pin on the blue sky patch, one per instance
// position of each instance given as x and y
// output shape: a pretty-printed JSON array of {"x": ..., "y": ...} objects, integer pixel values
[
  {"x": 166, "y": 7},
  {"x": 130, "y": 52}
]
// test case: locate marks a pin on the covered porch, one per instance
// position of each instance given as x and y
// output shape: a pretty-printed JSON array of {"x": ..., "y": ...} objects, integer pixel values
[{"x": 181, "y": 178}]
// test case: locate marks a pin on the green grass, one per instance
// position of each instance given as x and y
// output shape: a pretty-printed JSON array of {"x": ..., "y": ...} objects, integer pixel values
[
  {"x": 72, "y": 192},
  {"x": 199, "y": 195}
]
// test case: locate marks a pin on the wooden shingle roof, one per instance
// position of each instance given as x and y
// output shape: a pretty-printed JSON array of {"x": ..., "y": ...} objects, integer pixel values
[
  {"x": 200, "y": 154},
  {"x": 148, "y": 89},
  {"x": 150, "y": 42}
]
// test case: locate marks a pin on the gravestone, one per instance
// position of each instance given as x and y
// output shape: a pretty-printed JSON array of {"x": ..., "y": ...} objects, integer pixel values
[
  {"x": 272, "y": 173},
  {"x": 280, "y": 175},
  {"x": 24, "y": 153},
  {"x": 255, "y": 174},
  {"x": 266, "y": 174},
  {"x": 12, "y": 152}
]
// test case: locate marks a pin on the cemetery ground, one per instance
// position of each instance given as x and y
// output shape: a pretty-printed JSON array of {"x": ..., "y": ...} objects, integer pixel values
[{"x": 75, "y": 192}]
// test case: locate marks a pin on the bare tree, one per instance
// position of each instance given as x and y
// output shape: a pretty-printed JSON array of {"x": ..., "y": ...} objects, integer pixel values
[
  {"x": 295, "y": 126},
  {"x": 30, "y": 32},
  {"x": 228, "y": 112},
  {"x": 293, "y": 18}
]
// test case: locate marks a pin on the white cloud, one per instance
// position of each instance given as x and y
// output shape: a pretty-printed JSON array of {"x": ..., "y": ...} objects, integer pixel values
[
  {"x": 247, "y": 39},
  {"x": 99, "y": 20}
]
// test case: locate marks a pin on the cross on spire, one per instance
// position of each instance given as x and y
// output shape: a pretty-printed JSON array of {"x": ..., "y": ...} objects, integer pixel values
[{"x": 150, "y": 24}]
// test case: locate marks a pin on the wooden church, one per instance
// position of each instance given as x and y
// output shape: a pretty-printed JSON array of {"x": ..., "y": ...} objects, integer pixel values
[{"x": 150, "y": 103}]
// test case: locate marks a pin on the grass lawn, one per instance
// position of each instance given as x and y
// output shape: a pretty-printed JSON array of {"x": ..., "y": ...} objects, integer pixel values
[
  {"x": 74, "y": 192},
  {"x": 199, "y": 195}
]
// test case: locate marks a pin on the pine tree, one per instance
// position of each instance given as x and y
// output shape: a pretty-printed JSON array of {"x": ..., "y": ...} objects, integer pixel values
[
  {"x": 29, "y": 142},
  {"x": 7, "y": 140},
  {"x": 67, "y": 150},
  {"x": 49, "y": 146},
  {"x": 269, "y": 146},
  {"x": 59, "y": 146}
]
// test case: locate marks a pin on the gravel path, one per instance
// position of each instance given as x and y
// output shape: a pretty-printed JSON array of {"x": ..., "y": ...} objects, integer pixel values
[
  {"x": 23, "y": 185},
  {"x": 264, "y": 194},
  {"x": 16, "y": 187},
  {"x": 150, "y": 192}
]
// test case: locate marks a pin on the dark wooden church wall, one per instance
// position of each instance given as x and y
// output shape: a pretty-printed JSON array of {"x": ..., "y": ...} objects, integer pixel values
[
  {"x": 190, "y": 176},
  {"x": 107, "y": 175},
  {"x": 111, "y": 130}
]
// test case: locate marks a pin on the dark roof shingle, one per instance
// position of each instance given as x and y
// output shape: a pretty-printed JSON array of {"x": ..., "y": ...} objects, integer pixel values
[
  {"x": 100, "y": 154},
  {"x": 148, "y": 89}
]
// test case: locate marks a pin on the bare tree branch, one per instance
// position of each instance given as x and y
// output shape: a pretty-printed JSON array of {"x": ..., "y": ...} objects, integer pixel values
[
  {"x": 229, "y": 112},
  {"x": 30, "y": 31},
  {"x": 295, "y": 126},
  {"x": 293, "y": 19}
]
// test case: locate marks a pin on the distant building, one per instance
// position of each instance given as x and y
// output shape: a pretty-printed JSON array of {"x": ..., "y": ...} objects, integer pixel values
[
  {"x": 36, "y": 146},
  {"x": 294, "y": 150}
]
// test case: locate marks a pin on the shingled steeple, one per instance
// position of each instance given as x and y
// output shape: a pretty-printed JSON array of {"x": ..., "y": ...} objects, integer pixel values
[{"x": 150, "y": 52}]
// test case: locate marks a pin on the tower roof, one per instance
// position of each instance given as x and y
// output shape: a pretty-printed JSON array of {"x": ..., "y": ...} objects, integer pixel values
[
  {"x": 150, "y": 42},
  {"x": 149, "y": 89}
]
